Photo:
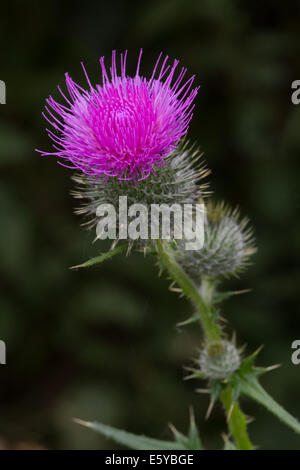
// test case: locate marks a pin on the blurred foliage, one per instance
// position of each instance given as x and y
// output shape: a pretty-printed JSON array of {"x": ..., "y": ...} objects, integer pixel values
[{"x": 101, "y": 344}]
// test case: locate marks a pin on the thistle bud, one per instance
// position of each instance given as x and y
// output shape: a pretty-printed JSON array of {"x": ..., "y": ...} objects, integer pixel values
[
  {"x": 228, "y": 243},
  {"x": 219, "y": 359}
]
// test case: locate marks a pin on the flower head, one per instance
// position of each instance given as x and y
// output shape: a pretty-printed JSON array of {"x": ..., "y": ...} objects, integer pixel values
[
  {"x": 219, "y": 359},
  {"x": 228, "y": 245},
  {"x": 124, "y": 127}
]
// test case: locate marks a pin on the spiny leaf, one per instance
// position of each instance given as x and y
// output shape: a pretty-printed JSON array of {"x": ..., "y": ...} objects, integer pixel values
[
  {"x": 101, "y": 258},
  {"x": 252, "y": 388},
  {"x": 132, "y": 441},
  {"x": 194, "y": 441}
]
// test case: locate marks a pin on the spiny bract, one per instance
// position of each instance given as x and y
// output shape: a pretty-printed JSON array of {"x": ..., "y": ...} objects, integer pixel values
[{"x": 177, "y": 182}]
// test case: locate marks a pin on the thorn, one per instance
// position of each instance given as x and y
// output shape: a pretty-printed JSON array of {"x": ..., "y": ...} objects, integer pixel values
[
  {"x": 114, "y": 244},
  {"x": 175, "y": 289},
  {"x": 172, "y": 428},
  {"x": 230, "y": 412},
  {"x": 257, "y": 351},
  {"x": 233, "y": 339},
  {"x": 195, "y": 360},
  {"x": 249, "y": 419},
  {"x": 187, "y": 322},
  {"x": 222, "y": 319},
  {"x": 243, "y": 291},
  {"x": 181, "y": 323},
  {"x": 189, "y": 377},
  {"x": 189, "y": 369},
  {"x": 209, "y": 410},
  {"x": 224, "y": 437},
  {"x": 80, "y": 421},
  {"x": 275, "y": 366},
  {"x": 76, "y": 267},
  {"x": 192, "y": 416}
]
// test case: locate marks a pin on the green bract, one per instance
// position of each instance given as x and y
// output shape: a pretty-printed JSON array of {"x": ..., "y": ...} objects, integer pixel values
[{"x": 178, "y": 181}]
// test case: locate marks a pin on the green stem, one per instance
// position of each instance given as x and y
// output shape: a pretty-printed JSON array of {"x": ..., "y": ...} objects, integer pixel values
[
  {"x": 237, "y": 421},
  {"x": 202, "y": 299},
  {"x": 201, "y": 302}
]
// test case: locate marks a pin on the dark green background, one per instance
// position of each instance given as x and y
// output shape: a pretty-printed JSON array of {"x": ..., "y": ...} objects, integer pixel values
[{"x": 102, "y": 343}]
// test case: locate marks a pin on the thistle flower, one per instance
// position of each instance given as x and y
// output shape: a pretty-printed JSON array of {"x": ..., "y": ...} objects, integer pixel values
[
  {"x": 219, "y": 359},
  {"x": 228, "y": 244},
  {"x": 127, "y": 126},
  {"x": 178, "y": 181}
]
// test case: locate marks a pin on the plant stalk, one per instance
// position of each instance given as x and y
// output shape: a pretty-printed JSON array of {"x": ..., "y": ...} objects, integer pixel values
[
  {"x": 237, "y": 421},
  {"x": 202, "y": 300},
  {"x": 206, "y": 317}
]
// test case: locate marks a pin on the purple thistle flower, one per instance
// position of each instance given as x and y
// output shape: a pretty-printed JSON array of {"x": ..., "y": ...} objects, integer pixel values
[{"x": 124, "y": 127}]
